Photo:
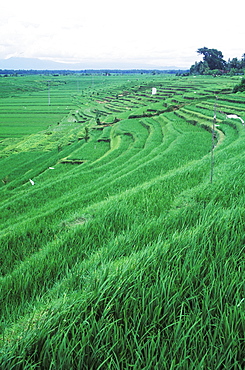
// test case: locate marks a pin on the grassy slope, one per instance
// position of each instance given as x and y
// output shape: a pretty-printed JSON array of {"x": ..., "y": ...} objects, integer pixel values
[{"x": 131, "y": 259}]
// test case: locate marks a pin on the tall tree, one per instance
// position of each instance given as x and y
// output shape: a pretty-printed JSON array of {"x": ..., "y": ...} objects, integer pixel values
[
  {"x": 213, "y": 57},
  {"x": 243, "y": 60}
]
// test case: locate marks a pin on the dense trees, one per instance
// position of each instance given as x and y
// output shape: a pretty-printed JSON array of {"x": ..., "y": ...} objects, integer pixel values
[
  {"x": 213, "y": 63},
  {"x": 236, "y": 64},
  {"x": 240, "y": 87},
  {"x": 213, "y": 58}
]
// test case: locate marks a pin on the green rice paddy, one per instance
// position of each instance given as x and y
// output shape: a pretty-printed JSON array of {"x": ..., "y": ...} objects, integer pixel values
[{"x": 123, "y": 254}]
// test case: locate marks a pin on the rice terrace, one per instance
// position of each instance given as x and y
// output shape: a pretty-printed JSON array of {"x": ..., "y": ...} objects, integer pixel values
[{"x": 122, "y": 222}]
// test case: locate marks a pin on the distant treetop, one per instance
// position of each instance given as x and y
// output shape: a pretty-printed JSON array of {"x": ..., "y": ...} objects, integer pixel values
[{"x": 213, "y": 63}]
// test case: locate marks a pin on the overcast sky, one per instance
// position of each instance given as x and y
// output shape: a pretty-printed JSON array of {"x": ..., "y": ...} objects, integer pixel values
[{"x": 135, "y": 32}]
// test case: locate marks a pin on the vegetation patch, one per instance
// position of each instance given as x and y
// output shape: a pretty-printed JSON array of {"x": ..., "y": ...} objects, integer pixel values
[{"x": 136, "y": 258}]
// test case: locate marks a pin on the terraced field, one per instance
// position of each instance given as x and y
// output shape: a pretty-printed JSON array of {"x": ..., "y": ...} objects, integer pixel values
[{"x": 117, "y": 249}]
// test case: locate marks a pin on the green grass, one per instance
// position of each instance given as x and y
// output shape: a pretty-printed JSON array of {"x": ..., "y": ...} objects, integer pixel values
[{"x": 132, "y": 259}]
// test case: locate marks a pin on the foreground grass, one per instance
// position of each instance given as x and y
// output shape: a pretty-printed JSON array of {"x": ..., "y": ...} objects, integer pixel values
[
  {"x": 135, "y": 261},
  {"x": 165, "y": 292}
]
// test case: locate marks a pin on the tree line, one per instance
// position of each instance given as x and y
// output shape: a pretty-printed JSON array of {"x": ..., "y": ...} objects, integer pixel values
[{"x": 214, "y": 64}]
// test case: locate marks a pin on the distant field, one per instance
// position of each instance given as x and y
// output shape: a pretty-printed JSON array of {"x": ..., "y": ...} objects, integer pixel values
[
  {"x": 39, "y": 105},
  {"x": 122, "y": 223}
]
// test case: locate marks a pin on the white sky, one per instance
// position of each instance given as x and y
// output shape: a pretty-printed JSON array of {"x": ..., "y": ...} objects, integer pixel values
[{"x": 131, "y": 31}]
